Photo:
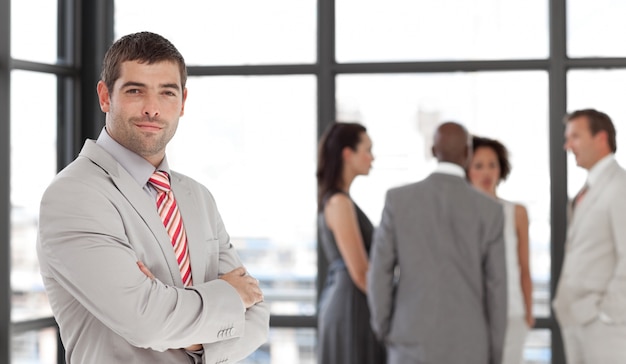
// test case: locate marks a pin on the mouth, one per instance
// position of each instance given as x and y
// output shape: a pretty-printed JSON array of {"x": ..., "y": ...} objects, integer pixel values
[{"x": 148, "y": 127}]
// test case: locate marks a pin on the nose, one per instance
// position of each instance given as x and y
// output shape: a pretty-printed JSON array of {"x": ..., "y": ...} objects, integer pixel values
[{"x": 151, "y": 107}]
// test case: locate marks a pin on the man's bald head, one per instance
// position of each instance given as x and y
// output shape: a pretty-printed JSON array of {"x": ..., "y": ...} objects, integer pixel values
[{"x": 452, "y": 144}]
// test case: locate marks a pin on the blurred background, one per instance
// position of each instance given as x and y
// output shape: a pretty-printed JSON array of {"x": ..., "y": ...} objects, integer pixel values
[{"x": 266, "y": 78}]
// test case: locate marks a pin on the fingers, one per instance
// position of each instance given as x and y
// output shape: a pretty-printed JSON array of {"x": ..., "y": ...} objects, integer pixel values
[
  {"x": 145, "y": 270},
  {"x": 251, "y": 280},
  {"x": 194, "y": 347},
  {"x": 246, "y": 285},
  {"x": 255, "y": 290}
]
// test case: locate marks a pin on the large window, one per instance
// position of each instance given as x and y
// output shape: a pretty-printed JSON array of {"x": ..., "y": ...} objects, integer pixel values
[
  {"x": 40, "y": 45},
  {"x": 601, "y": 89},
  {"x": 251, "y": 141},
  {"x": 265, "y": 79},
  {"x": 227, "y": 32},
  {"x": 401, "y": 112},
  {"x": 407, "y": 30},
  {"x": 33, "y": 165},
  {"x": 33, "y": 149},
  {"x": 594, "y": 28}
]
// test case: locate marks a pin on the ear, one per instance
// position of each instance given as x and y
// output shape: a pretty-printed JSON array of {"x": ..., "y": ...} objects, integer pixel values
[
  {"x": 103, "y": 97},
  {"x": 432, "y": 150},
  {"x": 182, "y": 109},
  {"x": 467, "y": 156},
  {"x": 346, "y": 153},
  {"x": 601, "y": 142},
  {"x": 602, "y": 136}
]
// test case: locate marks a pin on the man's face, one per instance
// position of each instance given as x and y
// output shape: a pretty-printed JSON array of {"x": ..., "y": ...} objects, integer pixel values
[
  {"x": 144, "y": 107},
  {"x": 586, "y": 148}
]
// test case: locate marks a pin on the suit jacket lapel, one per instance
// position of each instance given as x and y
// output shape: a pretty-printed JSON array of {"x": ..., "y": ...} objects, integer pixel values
[
  {"x": 139, "y": 200},
  {"x": 193, "y": 227}
]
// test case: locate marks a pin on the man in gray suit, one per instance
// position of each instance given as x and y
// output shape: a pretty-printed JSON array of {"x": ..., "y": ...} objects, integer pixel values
[
  {"x": 109, "y": 265},
  {"x": 590, "y": 301},
  {"x": 437, "y": 277}
]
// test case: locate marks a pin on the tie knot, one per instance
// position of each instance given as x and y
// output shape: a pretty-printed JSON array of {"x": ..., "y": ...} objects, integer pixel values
[{"x": 160, "y": 180}]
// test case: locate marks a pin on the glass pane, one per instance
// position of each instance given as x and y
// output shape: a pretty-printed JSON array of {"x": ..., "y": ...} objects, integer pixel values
[
  {"x": 594, "y": 28},
  {"x": 35, "y": 347},
  {"x": 252, "y": 142},
  {"x": 407, "y": 30},
  {"x": 602, "y": 90},
  {"x": 295, "y": 346},
  {"x": 227, "y": 32},
  {"x": 34, "y": 32},
  {"x": 538, "y": 348},
  {"x": 33, "y": 165},
  {"x": 401, "y": 112}
]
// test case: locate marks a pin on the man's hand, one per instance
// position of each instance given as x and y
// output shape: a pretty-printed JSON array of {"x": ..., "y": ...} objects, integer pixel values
[
  {"x": 246, "y": 285},
  {"x": 146, "y": 271},
  {"x": 530, "y": 321}
]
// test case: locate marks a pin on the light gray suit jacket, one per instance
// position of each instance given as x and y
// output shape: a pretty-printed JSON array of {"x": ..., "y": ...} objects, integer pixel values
[
  {"x": 437, "y": 277},
  {"x": 593, "y": 276},
  {"x": 95, "y": 223}
]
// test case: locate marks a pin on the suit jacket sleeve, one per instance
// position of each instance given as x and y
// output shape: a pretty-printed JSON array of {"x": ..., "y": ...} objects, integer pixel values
[
  {"x": 256, "y": 317},
  {"x": 380, "y": 276},
  {"x": 85, "y": 247},
  {"x": 614, "y": 299},
  {"x": 494, "y": 266}
]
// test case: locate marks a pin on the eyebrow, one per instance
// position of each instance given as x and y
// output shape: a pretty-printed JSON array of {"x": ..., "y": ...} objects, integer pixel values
[{"x": 139, "y": 84}]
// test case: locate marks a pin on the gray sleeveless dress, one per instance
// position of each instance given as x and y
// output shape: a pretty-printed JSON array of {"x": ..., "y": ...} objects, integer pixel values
[{"x": 344, "y": 332}]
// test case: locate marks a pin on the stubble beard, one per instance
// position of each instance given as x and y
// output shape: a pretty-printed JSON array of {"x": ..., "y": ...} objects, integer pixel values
[
  {"x": 144, "y": 143},
  {"x": 147, "y": 144}
]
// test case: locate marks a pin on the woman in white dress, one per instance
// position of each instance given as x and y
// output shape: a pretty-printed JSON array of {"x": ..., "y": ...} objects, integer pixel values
[{"x": 488, "y": 167}]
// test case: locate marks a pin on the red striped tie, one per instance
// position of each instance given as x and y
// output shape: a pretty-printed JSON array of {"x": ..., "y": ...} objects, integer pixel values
[{"x": 170, "y": 215}]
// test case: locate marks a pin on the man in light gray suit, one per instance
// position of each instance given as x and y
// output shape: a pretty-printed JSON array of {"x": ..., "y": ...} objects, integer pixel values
[
  {"x": 113, "y": 277},
  {"x": 437, "y": 277},
  {"x": 590, "y": 301}
]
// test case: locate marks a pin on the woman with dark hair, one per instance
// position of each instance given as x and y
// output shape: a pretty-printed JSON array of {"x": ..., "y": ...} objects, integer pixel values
[
  {"x": 344, "y": 332},
  {"x": 488, "y": 167}
]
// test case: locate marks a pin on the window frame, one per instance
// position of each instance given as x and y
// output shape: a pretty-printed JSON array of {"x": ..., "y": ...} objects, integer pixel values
[{"x": 83, "y": 25}]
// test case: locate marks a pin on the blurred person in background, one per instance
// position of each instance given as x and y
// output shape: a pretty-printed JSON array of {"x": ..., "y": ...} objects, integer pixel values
[
  {"x": 344, "y": 332},
  {"x": 437, "y": 278},
  {"x": 590, "y": 300},
  {"x": 488, "y": 167}
]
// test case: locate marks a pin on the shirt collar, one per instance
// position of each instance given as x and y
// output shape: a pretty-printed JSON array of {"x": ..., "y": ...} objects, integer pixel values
[
  {"x": 450, "y": 168},
  {"x": 139, "y": 168},
  {"x": 598, "y": 169}
]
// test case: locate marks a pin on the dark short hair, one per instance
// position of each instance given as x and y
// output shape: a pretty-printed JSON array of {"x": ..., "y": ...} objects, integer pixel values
[
  {"x": 144, "y": 47},
  {"x": 501, "y": 152},
  {"x": 330, "y": 161},
  {"x": 598, "y": 121}
]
